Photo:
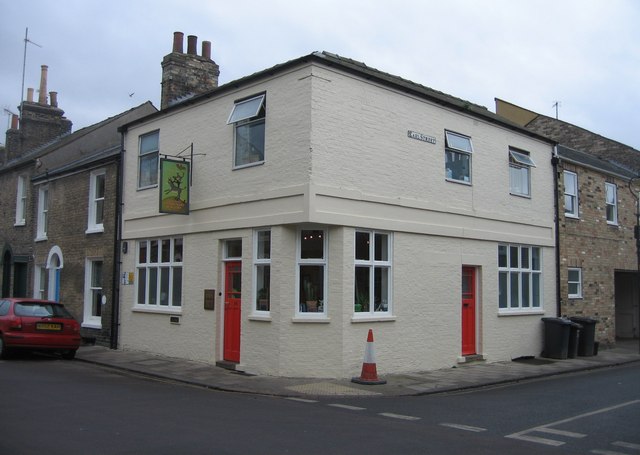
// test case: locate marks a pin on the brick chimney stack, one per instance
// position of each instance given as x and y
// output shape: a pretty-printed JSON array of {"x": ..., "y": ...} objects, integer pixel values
[
  {"x": 187, "y": 75},
  {"x": 39, "y": 122}
]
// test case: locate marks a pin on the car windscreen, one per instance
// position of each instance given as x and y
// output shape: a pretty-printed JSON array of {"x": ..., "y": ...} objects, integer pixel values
[{"x": 43, "y": 310}]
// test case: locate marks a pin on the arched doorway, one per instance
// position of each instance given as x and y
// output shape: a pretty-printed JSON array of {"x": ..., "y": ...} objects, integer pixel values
[{"x": 54, "y": 265}]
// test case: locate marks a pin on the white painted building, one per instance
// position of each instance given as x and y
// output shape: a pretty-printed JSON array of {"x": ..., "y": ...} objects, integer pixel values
[{"x": 329, "y": 198}]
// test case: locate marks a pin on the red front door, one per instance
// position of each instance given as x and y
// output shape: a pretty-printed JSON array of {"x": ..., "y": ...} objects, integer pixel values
[
  {"x": 232, "y": 299},
  {"x": 468, "y": 311}
]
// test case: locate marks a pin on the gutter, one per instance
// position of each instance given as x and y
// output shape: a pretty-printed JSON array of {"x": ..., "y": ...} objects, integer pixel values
[
  {"x": 556, "y": 193},
  {"x": 117, "y": 256}
]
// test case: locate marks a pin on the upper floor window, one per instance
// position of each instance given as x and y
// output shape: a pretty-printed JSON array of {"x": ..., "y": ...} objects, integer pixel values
[
  {"x": 458, "y": 150},
  {"x": 96, "y": 201},
  {"x": 248, "y": 118},
  {"x": 519, "y": 278},
  {"x": 43, "y": 213},
  {"x": 520, "y": 164},
  {"x": 372, "y": 291},
  {"x": 570, "y": 194},
  {"x": 148, "y": 160},
  {"x": 21, "y": 201},
  {"x": 612, "y": 203}
]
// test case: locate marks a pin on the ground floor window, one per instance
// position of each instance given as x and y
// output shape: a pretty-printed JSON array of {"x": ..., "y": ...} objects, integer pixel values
[
  {"x": 93, "y": 293},
  {"x": 372, "y": 272},
  {"x": 159, "y": 273},
  {"x": 312, "y": 269},
  {"x": 262, "y": 269},
  {"x": 519, "y": 278},
  {"x": 575, "y": 283}
]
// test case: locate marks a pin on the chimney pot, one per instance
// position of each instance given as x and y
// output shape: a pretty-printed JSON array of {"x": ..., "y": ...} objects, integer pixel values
[
  {"x": 14, "y": 121},
  {"x": 30, "y": 95},
  {"x": 206, "y": 49},
  {"x": 192, "y": 44},
  {"x": 42, "y": 96},
  {"x": 53, "y": 97},
  {"x": 178, "y": 40}
]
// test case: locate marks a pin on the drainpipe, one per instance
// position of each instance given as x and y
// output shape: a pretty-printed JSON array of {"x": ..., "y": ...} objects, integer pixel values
[
  {"x": 556, "y": 194},
  {"x": 117, "y": 257}
]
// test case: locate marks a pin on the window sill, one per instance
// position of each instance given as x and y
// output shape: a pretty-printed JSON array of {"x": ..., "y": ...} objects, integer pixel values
[
  {"x": 571, "y": 217},
  {"x": 91, "y": 325},
  {"x": 142, "y": 188},
  {"x": 244, "y": 166},
  {"x": 537, "y": 311},
  {"x": 613, "y": 224},
  {"x": 461, "y": 182},
  {"x": 310, "y": 320},
  {"x": 260, "y": 317},
  {"x": 41, "y": 238},
  {"x": 160, "y": 310},
  {"x": 20, "y": 223},
  {"x": 357, "y": 319},
  {"x": 525, "y": 196},
  {"x": 95, "y": 230}
]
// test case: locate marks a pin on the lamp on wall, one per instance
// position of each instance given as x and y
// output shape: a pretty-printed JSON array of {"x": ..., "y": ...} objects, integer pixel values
[{"x": 125, "y": 247}]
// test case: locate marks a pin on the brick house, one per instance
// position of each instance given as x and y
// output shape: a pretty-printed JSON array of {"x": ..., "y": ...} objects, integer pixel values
[
  {"x": 59, "y": 223},
  {"x": 597, "y": 215},
  {"x": 327, "y": 198}
]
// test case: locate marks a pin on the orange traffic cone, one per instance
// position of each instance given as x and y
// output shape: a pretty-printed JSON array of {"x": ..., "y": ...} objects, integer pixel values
[{"x": 369, "y": 374}]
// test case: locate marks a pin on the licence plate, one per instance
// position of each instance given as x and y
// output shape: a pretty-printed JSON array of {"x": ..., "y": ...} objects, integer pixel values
[{"x": 48, "y": 326}]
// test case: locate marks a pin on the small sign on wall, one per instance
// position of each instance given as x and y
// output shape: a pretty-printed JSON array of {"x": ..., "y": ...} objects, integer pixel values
[
  {"x": 209, "y": 299},
  {"x": 126, "y": 278},
  {"x": 421, "y": 137}
]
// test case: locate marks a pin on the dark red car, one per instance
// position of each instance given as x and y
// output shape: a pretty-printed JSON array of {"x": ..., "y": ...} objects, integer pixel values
[{"x": 37, "y": 325}]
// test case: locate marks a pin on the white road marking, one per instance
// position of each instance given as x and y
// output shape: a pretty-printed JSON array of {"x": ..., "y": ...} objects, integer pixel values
[
  {"x": 346, "y": 406},
  {"x": 398, "y": 416},
  {"x": 523, "y": 435},
  {"x": 626, "y": 445},
  {"x": 545, "y": 441},
  {"x": 568, "y": 434},
  {"x": 607, "y": 452},
  {"x": 463, "y": 427},
  {"x": 302, "y": 400}
]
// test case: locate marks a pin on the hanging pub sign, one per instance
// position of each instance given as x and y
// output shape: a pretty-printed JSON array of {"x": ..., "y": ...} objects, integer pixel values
[{"x": 174, "y": 186}]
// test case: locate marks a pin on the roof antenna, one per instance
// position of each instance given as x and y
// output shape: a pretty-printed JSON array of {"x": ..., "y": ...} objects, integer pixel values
[
  {"x": 556, "y": 104},
  {"x": 24, "y": 63}
]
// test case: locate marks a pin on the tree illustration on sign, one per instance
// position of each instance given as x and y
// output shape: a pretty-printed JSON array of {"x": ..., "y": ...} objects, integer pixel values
[
  {"x": 175, "y": 191},
  {"x": 175, "y": 183}
]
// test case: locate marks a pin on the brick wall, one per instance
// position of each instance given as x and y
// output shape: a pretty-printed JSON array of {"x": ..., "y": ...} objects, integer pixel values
[
  {"x": 598, "y": 248},
  {"x": 68, "y": 205}
]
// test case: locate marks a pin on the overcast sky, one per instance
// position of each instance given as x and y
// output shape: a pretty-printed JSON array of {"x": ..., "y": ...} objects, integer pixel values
[{"x": 104, "y": 57}]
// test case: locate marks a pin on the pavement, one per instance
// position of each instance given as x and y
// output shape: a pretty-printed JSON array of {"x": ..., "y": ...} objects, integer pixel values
[{"x": 461, "y": 377}]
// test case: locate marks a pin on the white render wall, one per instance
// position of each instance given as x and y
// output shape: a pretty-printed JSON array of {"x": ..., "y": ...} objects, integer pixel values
[{"x": 338, "y": 156}]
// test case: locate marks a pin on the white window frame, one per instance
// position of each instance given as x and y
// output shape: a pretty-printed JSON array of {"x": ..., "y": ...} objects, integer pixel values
[
  {"x": 40, "y": 282},
  {"x": 520, "y": 164},
  {"x": 261, "y": 261},
  {"x": 525, "y": 274},
  {"x": 43, "y": 213},
  {"x": 317, "y": 262},
  {"x": 156, "y": 264},
  {"x": 95, "y": 201},
  {"x": 577, "y": 283},
  {"x": 91, "y": 292},
  {"x": 21, "y": 201},
  {"x": 381, "y": 307},
  {"x": 151, "y": 155},
  {"x": 571, "y": 194},
  {"x": 246, "y": 114},
  {"x": 457, "y": 147},
  {"x": 611, "y": 201}
]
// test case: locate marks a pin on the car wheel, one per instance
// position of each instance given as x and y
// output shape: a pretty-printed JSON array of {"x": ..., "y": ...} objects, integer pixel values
[{"x": 69, "y": 354}]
